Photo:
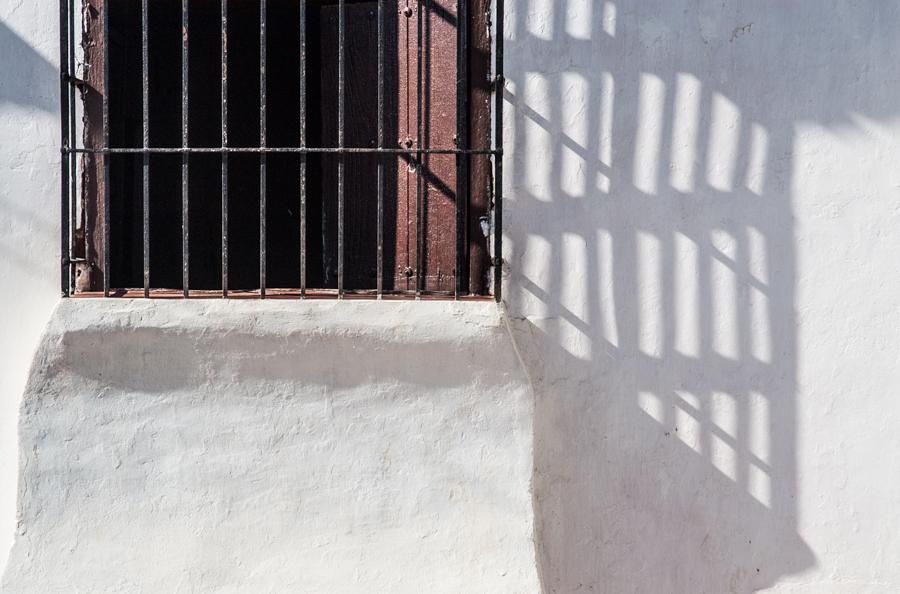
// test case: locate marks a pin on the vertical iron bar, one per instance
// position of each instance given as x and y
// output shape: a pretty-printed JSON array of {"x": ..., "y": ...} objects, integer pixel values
[
  {"x": 106, "y": 159},
  {"x": 498, "y": 157},
  {"x": 303, "y": 145},
  {"x": 65, "y": 156},
  {"x": 224, "y": 145},
  {"x": 462, "y": 142},
  {"x": 419, "y": 144},
  {"x": 340, "y": 164},
  {"x": 72, "y": 158},
  {"x": 262, "y": 143},
  {"x": 379, "y": 283},
  {"x": 145, "y": 99},
  {"x": 185, "y": 254}
]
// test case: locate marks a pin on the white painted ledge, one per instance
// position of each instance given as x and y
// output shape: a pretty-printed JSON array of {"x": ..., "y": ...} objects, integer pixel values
[{"x": 276, "y": 446}]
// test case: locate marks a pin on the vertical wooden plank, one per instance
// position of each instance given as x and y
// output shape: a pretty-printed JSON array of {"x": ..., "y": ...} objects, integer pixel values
[
  {"x": 439, "y": 130},
  {"x": 479, "y": 138},
  {"x": 92, "y": 185},
  {"x": 404, "y": 279},
  {"x": 361, "y": 130}
]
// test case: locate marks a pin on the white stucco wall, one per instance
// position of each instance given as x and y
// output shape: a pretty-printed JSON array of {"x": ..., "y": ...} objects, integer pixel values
[
  {"x": 285, "y": 446},
  {"x": 29, "y": 214},
  {"x": 702, "y": 230}
]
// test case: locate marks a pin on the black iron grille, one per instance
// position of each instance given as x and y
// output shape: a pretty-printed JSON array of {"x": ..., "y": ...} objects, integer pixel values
[{"x": 94, "y": 237}]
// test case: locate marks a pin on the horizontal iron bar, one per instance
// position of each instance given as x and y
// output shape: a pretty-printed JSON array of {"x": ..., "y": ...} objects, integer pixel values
[
  {"x": 289, "y": 149},
  {"x": 279, "y": 293},
  {"x": 74, "y": 80}
]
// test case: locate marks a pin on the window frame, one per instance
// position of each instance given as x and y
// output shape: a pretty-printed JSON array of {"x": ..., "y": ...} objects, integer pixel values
[{"x": 85, "y": 201}]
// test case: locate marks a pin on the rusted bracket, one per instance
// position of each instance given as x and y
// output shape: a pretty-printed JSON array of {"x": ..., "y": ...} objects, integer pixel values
[{"x": 74, "y": 80}]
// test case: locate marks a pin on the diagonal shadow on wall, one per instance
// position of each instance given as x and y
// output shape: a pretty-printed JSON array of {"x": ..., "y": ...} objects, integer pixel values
[
  {"x": 652, "y": 273},
  {"x": 28, "y": 82},
  {"x": 25, "y": 74}
]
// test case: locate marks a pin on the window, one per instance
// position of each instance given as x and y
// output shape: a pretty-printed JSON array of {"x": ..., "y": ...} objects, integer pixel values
[{"x": 281, "y": 147}]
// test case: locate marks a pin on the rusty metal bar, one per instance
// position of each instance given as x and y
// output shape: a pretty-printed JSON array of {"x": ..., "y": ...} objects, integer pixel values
[
  {"x": 285, "y": 294},
  {"x": 106, "y": 159},
  {"x": 185, "y": 244},
  {"x": 340, "y": 179},
  {"x": 145, "y": 115},
  {"x": 262, "y": 143},
  {"x": 303, "y": 146},
  {"x": 462, "y": 141},
  {"x": 65, "y": 158},
  {"x": 289, "y": 149},
  {"x": 379, "y": 282},
  {"x": 224, "y": 145},
  {"x": 73, "y": 136},
  {"x": 498, "y": 157}
]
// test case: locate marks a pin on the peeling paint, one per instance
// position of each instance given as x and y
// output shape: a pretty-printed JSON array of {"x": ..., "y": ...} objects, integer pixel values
[{"x": 741, "y": 30}]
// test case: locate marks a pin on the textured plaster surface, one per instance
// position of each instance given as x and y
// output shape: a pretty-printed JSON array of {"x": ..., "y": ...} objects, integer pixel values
[
  {"x": 29, "y": 219},
  {"x": 214, "y": 446},
  {"x": 702, "y": 235}
]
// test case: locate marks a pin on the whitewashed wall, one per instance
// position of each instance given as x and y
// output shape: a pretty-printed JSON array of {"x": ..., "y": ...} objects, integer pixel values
[
  {"x": 29, "y": 214},
  {"x": 703, "y": 237},
  {"x": 286, "y": 446},
  {"x": 702, "y": 241}
]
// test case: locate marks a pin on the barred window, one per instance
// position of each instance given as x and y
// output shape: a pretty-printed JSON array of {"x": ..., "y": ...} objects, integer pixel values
[{"x": 281, "y": 147}]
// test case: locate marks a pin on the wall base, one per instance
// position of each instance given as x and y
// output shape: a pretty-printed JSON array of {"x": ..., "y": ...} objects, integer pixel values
[{"x": 275, "y": 446}]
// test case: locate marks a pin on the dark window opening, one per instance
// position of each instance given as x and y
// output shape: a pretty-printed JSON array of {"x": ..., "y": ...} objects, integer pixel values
[{"x": 433, "y": 205}]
